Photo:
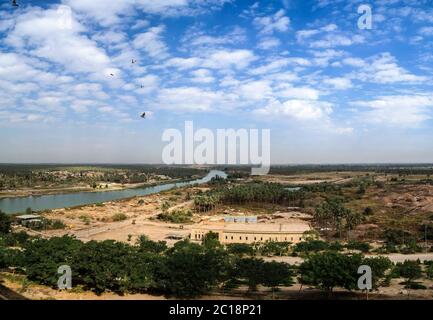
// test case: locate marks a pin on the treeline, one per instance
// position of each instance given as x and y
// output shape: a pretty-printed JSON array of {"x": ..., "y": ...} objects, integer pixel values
[
  {"x": 253, "y": 192},
  {"x": 189, "y": 269},
  {"x": 16, "y": 176},
  {"x": 426, "y": 168},
  {"x": 185, "y": 270}
]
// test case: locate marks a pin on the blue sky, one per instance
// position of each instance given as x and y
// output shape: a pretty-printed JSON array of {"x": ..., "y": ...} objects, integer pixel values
[{"x": 328, "y": 91}]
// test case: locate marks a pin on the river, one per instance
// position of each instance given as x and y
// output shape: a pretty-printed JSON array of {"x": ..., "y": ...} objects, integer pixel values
[{"x": 38, "y": 203}]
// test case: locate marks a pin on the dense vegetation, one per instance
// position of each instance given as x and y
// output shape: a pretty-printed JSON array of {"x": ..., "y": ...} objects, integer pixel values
[
  {"x": 15, "y": 176},
  {"x": 188, "y": 269},
  {"x": 253, "y": 192}
]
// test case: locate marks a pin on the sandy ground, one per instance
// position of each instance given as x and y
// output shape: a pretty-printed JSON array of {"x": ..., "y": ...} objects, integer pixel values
[
  {"x": 95, "y": 222},
  {"x": 394, "y": 257},
  {"x": 13, "y": 289},
  {"x": 310, "y": 178}
]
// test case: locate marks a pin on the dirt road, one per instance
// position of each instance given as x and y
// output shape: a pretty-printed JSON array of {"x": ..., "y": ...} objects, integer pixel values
[{"x": 394, "y": 257}]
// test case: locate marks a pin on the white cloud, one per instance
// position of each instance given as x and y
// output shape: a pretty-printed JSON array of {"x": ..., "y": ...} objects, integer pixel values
[
  {"x": 405, "y": 110},
  {"x": 323, "y": 57},
  {"x": 272, "y": 66},
  {"x": 335, "y": 40},
  {"x": 269, "y": 24},
  {"x": 256, "y": 90},
  {"x": 384, "y": 69},
  {"x": 354, "y": 62},
  {"x": 330, "y": 37},
  {"x": 183, "y": 63},
  {"x": 151, "y": 42},
  {"x": 108, "y": 12},
  {"x": 339, "y": 83},
  {"x": 302, "y": 35},
  {"x": 268, "y": 43},
  {"x": 301, "y": 93},
  {"x": 44, "y": 34},
  {"x": 198, "y": 38},
  {"x": 202, "y": 76},
  {"x": 226, "y": 59},
  {"x": 426, "y": 31},
  {"x": 147, "y": 83},
  {"x": 189, "y": 99},
  {"x": 297, "y": 109}
]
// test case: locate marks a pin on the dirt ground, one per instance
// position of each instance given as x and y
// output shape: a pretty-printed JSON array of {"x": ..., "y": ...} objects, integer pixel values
[
  {"x": 311, "y": 178},
  {"x": 95, "y": 222},
  {"x": 12, "y": 287}
]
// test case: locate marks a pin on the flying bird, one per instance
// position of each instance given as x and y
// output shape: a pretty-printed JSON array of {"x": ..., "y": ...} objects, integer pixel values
[
  {"x": 141, "y": 86},
  {"x": 143, "y": 115},
  {"x": 133, "y": 61},
  {"x": 111, "y": 74},
  {"x": 14, "y": 3}
]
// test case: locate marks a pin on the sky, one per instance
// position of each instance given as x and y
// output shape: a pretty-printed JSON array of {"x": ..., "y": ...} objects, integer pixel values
[{"x": 329, "y": 91}]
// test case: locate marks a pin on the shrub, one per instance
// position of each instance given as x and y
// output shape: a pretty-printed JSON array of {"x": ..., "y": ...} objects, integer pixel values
[
  {"x": 240, "y": 249},
  {"x": 310, "y": 246},
  {"x": 176, "y": 216},
  {"x": 429, "y": 270},
  {"x": 409, "y": 270},
  {"x": 119, "y": 217},
  {"x": 368, "y": 211},
  {"x": 5, "y": 223},
  {"x": 358, "y": 245},
  {"x": 14, "y": 239},
  {"x": 55, "y": 224}
]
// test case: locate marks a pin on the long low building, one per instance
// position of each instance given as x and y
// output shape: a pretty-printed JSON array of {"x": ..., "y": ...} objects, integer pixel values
[{"x": 252, "y": 232}]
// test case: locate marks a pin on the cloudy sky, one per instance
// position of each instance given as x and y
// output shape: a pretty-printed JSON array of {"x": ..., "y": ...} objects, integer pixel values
[{"x": 328, "y": 91}]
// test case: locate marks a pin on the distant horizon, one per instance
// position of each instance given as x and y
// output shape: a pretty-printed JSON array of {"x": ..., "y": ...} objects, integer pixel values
[{"x": 214, "y": 165}]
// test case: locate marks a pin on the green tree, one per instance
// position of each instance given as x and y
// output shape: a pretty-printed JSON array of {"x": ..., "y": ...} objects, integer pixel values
[
  {"x": 240, "y": 249},
  {"x": 379, "y": 266},
  {"x": 191, "y": 269},
  {"x": 328, "y": 270},
  {"x": 249, "y": 270},
  {"x": 101, "y": 266},
  {"x": 210, "y": 240},
  {"x": 333, "y": 213},
  {"x": 141, "y": 271},
  {"x": 410, "y": 270},
  {"x": 42, "y": 257},
  {"x": 5, "y": 223},
  {"x": 147, "y": 245},
  {"x": 272, "y": 248},
  {"x": 310, "y": 246},
  {"x": 276, "y": 274}
]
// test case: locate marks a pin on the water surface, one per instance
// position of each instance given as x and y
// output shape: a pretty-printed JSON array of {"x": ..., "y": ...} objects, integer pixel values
[{"x": 55, "y": 201}]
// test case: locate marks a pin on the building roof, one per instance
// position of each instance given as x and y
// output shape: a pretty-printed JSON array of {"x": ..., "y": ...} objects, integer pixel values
[
  {"x": 27, "y": 217},
  {"x": 296, "y": 227}
]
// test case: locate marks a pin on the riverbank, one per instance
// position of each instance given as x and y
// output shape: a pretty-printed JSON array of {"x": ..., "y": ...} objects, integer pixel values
[
  {"x": 74, "y": 199},
  {"x": 33, "y": 192}
]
